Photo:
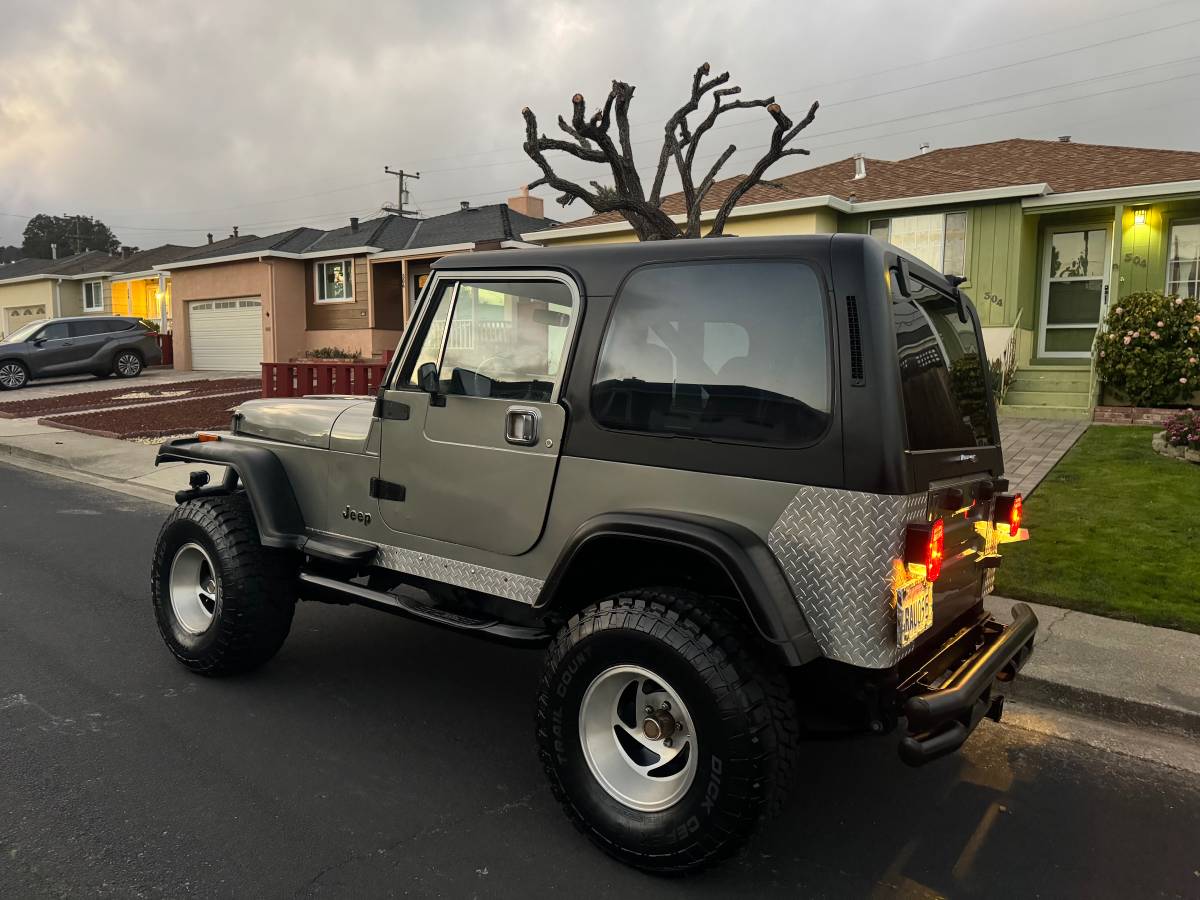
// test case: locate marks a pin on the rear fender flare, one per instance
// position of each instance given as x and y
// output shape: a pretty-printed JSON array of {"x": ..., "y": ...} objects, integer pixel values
[{"x": 740, "y": 553}]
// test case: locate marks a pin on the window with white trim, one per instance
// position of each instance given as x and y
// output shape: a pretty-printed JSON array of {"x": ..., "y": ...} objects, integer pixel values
[
  {"x": 1183, "y": 260},
  {"x": 335, "y": 281},
  {"x": 93, "y": 296},
  {"x": 939, "y": 239}
]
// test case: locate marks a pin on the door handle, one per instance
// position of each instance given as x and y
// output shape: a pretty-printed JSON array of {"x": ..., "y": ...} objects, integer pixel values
[{"x": 521, "y": 426}]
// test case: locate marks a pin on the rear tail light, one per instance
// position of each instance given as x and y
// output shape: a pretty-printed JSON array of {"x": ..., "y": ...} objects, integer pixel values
[
  {"x": 1007, "y": 511},
  {"x": 925, "y": 545}
]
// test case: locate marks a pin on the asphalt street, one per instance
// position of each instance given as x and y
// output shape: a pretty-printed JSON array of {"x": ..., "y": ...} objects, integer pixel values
[{"x": 377, "y": 757}]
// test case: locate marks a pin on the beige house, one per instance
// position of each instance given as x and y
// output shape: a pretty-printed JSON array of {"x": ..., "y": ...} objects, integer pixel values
[{"x": 33, "y": 289}]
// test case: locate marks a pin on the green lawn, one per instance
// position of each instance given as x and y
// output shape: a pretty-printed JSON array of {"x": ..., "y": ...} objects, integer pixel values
[{"x": 1115, "y": 530}]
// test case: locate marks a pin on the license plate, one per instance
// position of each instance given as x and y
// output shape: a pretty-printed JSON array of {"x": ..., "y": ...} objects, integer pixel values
[{"x": 914, "y": 612}]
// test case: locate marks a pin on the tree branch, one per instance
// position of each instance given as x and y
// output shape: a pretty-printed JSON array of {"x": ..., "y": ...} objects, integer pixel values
[{"x": 592, "y": 141}]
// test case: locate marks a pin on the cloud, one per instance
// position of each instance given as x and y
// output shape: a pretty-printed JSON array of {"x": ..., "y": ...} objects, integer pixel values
[{"x": 171, "y": 119}]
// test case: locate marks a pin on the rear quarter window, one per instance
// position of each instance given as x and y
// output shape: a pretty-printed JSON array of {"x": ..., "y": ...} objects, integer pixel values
[
  {"x": 729, "y": 350},
  {"x": 946, "y": 399}
]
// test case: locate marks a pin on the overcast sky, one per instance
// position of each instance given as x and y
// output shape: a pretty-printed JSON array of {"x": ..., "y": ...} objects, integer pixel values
[{"x": 171, "y": 119}]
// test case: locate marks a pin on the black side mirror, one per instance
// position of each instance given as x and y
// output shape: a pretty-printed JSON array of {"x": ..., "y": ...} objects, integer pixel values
[
  {"x": 38, "y": 341},
  {"x": 428, "y": 381}
]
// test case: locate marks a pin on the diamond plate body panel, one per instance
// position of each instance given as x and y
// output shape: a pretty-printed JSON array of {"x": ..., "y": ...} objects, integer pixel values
[
  {"x": 497, "y": 582},
  {"x": 837, "y": 549}
]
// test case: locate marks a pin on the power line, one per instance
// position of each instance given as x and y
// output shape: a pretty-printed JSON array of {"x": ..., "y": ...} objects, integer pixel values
[
  {"x": 740, "y": 122},
  {"x": 905, "y": 118}
]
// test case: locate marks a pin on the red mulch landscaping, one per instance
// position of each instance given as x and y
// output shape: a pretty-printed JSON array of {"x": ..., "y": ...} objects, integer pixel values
[
  {"x": 21, "y": 409},
  {"x": 159, "y": 420}
]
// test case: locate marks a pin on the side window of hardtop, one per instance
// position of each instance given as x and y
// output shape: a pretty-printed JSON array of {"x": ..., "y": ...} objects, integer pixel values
[
  {"x": 497, "y": 338},
  {"x": 730, "y": 350}
]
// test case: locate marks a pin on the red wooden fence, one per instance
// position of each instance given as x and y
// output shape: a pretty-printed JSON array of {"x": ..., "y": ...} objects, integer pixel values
[
  {"x": 299, "y": 379},
  {"x": 166, "y": 345}
]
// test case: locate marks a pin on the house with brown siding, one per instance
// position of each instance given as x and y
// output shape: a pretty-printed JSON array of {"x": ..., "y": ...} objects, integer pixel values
[{"x": 271, "y": 299}]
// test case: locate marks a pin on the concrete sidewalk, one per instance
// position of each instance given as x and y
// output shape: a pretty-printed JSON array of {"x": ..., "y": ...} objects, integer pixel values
[
  {"x": 108, "y": 459},
  {"x": 1110, "y": 669}
]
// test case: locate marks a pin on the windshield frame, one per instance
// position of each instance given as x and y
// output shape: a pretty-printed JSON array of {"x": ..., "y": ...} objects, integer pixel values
[{"x": 23, "y": 334}]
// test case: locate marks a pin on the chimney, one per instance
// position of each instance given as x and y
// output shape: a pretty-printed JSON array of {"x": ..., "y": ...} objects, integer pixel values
[
  {"x": 464, "y": 205},
  {"x": 924, "y": 148},
  {"x": 860, "y": 167},
  {"x": 210, "y": 237},
  {"x": 527, "y": 205},
  {"x": 54, "y": 251},
  {"x": 235, "y": 231},
  {"x": 1064, "y": 138},
  {"x": 354, "y": 223}
]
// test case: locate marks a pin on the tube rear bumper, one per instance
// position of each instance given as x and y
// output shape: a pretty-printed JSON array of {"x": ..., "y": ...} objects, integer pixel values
[{"x": 940, "y": 720}]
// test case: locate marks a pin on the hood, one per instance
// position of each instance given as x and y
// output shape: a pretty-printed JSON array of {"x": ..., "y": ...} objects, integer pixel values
[{"x": 307, "y": 421}]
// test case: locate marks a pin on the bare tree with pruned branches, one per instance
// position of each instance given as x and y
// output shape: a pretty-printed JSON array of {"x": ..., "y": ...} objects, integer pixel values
[{"x": 591, "y": 141}]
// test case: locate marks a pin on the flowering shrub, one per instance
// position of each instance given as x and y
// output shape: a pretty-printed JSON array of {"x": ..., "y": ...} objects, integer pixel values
[
  {"x": 1183, "y": 429},
  {"x": 1151, "y": 351}
]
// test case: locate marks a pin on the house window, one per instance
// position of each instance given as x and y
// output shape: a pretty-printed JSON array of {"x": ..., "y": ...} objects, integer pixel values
[
  {"x": 335, "y": 281},
  {"x": 93, "y": 296},
  {"x": 1183, "y": 260},
  {"x": 939, "y": 239}
]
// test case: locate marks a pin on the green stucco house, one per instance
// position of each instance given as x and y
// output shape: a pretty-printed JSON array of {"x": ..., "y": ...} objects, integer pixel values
[{"x": 1049, "y": 235}]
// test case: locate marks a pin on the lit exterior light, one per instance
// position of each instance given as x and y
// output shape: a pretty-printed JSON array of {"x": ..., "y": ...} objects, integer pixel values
[{"x": 1139, "y": 216}]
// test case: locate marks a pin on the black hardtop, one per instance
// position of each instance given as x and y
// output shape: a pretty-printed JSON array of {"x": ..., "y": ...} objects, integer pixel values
[{"x": 602, "y": 267}]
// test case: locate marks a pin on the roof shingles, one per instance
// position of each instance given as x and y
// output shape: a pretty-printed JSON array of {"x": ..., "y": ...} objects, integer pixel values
[{"x": 1064, "y": 166}]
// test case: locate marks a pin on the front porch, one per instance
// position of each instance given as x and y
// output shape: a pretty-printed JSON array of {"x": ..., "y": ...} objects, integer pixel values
[{"x": 1076, "y": 264}]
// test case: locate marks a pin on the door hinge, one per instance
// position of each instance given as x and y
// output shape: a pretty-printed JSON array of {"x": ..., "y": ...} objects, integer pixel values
[
  {"x": 386, "y": 490},
  {"x": 391, "y": 409}
]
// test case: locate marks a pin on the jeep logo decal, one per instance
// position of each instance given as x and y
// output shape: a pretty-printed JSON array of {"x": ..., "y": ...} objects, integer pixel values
[{"x": 355, "y": 516}]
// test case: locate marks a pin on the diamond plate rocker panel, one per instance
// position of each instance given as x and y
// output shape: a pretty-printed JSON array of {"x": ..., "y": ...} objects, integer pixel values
[
  {"x": 836, "y": 548},
  {"x": 496, "y": 582}
]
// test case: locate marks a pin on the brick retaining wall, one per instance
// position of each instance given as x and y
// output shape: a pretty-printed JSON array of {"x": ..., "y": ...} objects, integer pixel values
[{"x": 1131, "y": 415}]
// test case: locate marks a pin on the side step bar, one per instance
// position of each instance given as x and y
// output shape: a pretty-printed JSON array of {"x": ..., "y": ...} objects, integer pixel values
[{"x": 329, "y": 590}]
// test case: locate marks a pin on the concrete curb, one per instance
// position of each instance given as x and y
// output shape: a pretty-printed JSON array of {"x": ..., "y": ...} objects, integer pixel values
[
  {"x": 1110, "y": 669},
  {"x": 1125, "y": 710}
]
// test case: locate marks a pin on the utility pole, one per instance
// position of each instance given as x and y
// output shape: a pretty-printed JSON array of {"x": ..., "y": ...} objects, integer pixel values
[{"x": 401, "y": 188}]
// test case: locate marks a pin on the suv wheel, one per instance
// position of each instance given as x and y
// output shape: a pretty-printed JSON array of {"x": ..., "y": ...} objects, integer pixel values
[
  {"x": 127, "y": 364},
  {"x": 664, "y": 730},
  {"x": 223, "y": 602},
  {"x": 13, "y": 375}
]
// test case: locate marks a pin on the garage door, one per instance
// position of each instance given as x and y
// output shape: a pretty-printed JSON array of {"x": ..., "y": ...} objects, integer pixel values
[{"x": 226, "y": 334}]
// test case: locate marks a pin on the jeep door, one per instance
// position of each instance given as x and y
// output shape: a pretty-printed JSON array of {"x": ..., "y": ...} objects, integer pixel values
[{"x": 472, "y": 423}]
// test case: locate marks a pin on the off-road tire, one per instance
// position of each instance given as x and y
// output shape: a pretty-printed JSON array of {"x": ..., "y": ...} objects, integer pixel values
[
  {"x": 256, "y": 595},
  {"x": 747, "y": 732},
  {"x": 123, "y": 370}
]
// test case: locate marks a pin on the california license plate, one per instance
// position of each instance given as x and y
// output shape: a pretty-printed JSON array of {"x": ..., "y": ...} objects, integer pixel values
[{"x": 914, "y": 612}]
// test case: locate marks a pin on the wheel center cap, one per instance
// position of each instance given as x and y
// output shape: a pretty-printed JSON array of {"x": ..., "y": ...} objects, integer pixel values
[{"x": 658, "y": 725}]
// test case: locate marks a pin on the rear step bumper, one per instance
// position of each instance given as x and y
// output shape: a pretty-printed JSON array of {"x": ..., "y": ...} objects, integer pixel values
[{"x": 940, "y": 721}]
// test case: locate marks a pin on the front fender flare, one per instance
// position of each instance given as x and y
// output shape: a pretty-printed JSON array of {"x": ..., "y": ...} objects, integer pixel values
[
  {"x": 280, "y": 521},
  {"x": 739, "y": 552}
]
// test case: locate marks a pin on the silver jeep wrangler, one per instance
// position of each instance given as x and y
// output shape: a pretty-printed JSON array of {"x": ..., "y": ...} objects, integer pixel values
[{"x": 718, "y": 480}]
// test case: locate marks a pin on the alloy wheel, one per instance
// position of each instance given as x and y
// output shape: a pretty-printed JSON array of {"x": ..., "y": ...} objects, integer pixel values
[
  {"x": 638, "y": 738},
  {"x": 12, "y": 375},
  {"x": 128, "y": 364},
  {"x": 194, "y": 589}
]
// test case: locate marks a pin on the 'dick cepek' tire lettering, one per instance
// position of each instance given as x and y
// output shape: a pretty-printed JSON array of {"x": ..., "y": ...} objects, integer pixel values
[{"x": 664, "y": 731}]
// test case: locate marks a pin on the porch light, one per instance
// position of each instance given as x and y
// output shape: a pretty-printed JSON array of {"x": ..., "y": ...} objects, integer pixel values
[{"x": 1139, "y": 216}]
